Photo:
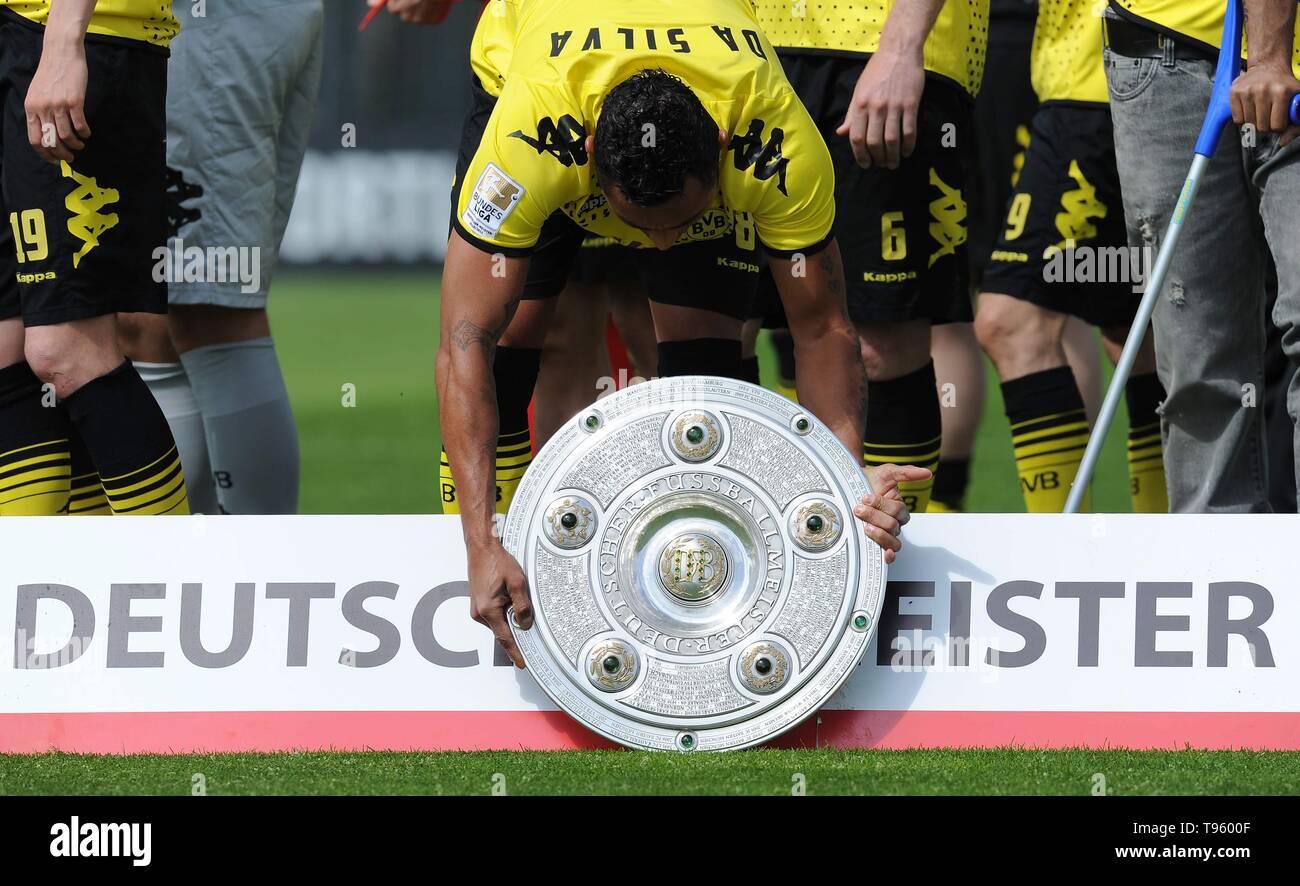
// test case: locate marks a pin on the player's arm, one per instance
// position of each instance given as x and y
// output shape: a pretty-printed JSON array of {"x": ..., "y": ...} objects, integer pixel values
[
  {"x": 881, "y": 121},
  {"x": 831, "y": 379},
  {"x": 480, "y": 293},
  {"x": 56, "y": 98},
  {"x": 1262, "y": 95}
]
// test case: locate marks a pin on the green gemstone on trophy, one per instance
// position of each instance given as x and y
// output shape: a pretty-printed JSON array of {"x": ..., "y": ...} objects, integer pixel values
[
  {"x": 593, "y": 422},
  {"x": 688, "y": 741},
  {"x": 569, "y": 520},
  {"x": 694, "y": 435},
  {"x": 763, "y": 665},
  {"x": 611, "y": 664},
  {"x": 860, "y": 622},
  {"x": 815, "y": 523},
  {"x": 801, "y": 424}
]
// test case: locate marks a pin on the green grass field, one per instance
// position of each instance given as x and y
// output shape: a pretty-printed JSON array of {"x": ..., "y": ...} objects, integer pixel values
[
  {"x": 379, "y": 332},
  {"x": 766, "y": 772}
]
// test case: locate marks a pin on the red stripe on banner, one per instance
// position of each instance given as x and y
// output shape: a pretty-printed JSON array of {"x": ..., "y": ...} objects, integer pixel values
[{"x": 244, "y": 731}]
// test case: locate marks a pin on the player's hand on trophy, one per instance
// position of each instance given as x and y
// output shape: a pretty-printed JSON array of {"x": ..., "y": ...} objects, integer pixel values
[
  {"x": 881, "y": 120},
  {"x": 417, "y": 12},
  {"x": 56, "y": 99},
  {"x": 497, "y": 582},
  {"x": 883, "y": 510}
]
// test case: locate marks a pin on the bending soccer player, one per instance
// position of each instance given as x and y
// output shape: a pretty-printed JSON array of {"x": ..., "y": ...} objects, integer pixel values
[
  {"x": 1064, "y": 253},
  {"x": 671, "y": 128},
  {"x": 83, "y": 164}
]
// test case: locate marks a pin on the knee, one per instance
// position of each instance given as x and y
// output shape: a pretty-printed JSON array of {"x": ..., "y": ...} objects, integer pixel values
[
  {"x": 68, "y": 357},
  {"x": 1013, "y": 332},
  {"x": 895, "y": 349}
]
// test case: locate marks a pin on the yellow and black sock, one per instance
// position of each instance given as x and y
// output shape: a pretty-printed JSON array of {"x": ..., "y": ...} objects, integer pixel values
[
  {"x": 904, "y": 428},
  {"x": 1049, "y": 429},
  {"x": 515, "y": 372},
  {"x": 950, "y": 481},
  {"x": 1146, "y": 465},
  {"x": 783, "y": 343},
  {"x": 35, "y": 466},
  {"x": 87, "y": 497},
  {"x": 130, "y": 444}
]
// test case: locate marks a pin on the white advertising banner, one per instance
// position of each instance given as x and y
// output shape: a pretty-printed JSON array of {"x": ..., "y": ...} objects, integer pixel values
[{"x": 263, "y": 633}]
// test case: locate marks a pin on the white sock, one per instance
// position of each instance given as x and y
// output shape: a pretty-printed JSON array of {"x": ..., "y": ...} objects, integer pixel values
[
  {"x": 252, "y": 439},
  {"x": 172, "y": 390}
]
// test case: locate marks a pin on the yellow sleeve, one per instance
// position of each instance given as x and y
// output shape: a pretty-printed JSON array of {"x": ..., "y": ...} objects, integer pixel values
[
  {"x": 529, "y": 163},
  {"x": 780, "y": 167}
]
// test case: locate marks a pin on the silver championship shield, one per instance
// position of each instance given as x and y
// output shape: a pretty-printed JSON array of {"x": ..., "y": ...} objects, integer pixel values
[{"x": 698, "y": 577}]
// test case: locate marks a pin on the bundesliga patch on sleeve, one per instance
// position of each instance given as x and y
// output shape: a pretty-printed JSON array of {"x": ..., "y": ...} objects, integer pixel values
[{"x": 490, "y": 203}]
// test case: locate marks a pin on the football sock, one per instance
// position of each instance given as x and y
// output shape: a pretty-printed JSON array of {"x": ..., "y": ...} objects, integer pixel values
[
  {"x": 515, "y": 372},
  {"x": 87, "y": 497},
  {"x": 1146, "y": 466},
  {"x": 783, "y": 342},
  {"x": 701, "y": 356},
  {"x": 904, "y": 427},
  {"x": 749, "y": 371},
  {"x": 171, "y": 388},
  {"x": 248, "y": 423},
  {"x": 35, "y": 466},
  {"x": 130, "y": 444},
  {"x": 950, "y": 482},
  {"x": 1049, "y": 429}
]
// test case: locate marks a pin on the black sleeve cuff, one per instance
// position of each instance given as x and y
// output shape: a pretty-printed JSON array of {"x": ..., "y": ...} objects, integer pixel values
[
  {"x": 490, "y": 248},
  {"x": 806, "y": 251}
]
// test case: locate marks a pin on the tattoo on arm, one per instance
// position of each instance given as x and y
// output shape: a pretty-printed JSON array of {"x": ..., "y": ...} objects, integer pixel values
[{"x": 467, "y": 334}]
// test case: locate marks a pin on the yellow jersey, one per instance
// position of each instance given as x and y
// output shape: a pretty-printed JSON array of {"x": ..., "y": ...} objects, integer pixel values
[
  {"x": 1066, "y": 64},
  {"x": 775, "y": 171},
  {"x": 149, "y": 21},
  {"x": 955, "y": 49},
  {"x": 1201, "y": 20}
]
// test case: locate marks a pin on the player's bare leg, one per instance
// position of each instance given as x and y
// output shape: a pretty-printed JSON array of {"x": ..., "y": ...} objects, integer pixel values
[
  {"x": 574, "y": 360},
  {"x": 959, "y": 373},
  {"x": 1084, "y": 357}
]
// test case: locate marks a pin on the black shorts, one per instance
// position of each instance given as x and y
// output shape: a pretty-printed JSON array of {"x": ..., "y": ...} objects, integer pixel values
[
  {"x": 718, "y": 275},
  {"x": 1003, "y": 113},
  {"x": 902, "y": 233},
  {"x": 601, "y": 260},
  {"x": 1067, "y": 195},
  {"x": 79, "y": 241}
]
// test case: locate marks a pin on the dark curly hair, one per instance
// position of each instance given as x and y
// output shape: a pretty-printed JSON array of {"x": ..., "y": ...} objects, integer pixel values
[{"x": 684, "y": 143}]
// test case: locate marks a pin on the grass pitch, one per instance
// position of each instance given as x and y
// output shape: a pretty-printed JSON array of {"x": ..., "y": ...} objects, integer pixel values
[
  {"x": 378, "y": 331},
  {"x": 759, "y": 772},
  {"x": 358, "y": 354}
]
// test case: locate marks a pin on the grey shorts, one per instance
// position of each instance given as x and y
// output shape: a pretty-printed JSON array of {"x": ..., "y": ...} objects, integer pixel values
[{"x": 243, "y": 82}]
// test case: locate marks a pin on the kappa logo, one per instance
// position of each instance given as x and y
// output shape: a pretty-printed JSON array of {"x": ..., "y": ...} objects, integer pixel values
[
  {"x": 565, "y": 140},
  {"x": 493, "y": 199},
  {"x": 86, "y": 202},
  {"x": 749, "y": 150},
  {"x": 949, "y": 213},
  {"x": 1079, "y": 208}
]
